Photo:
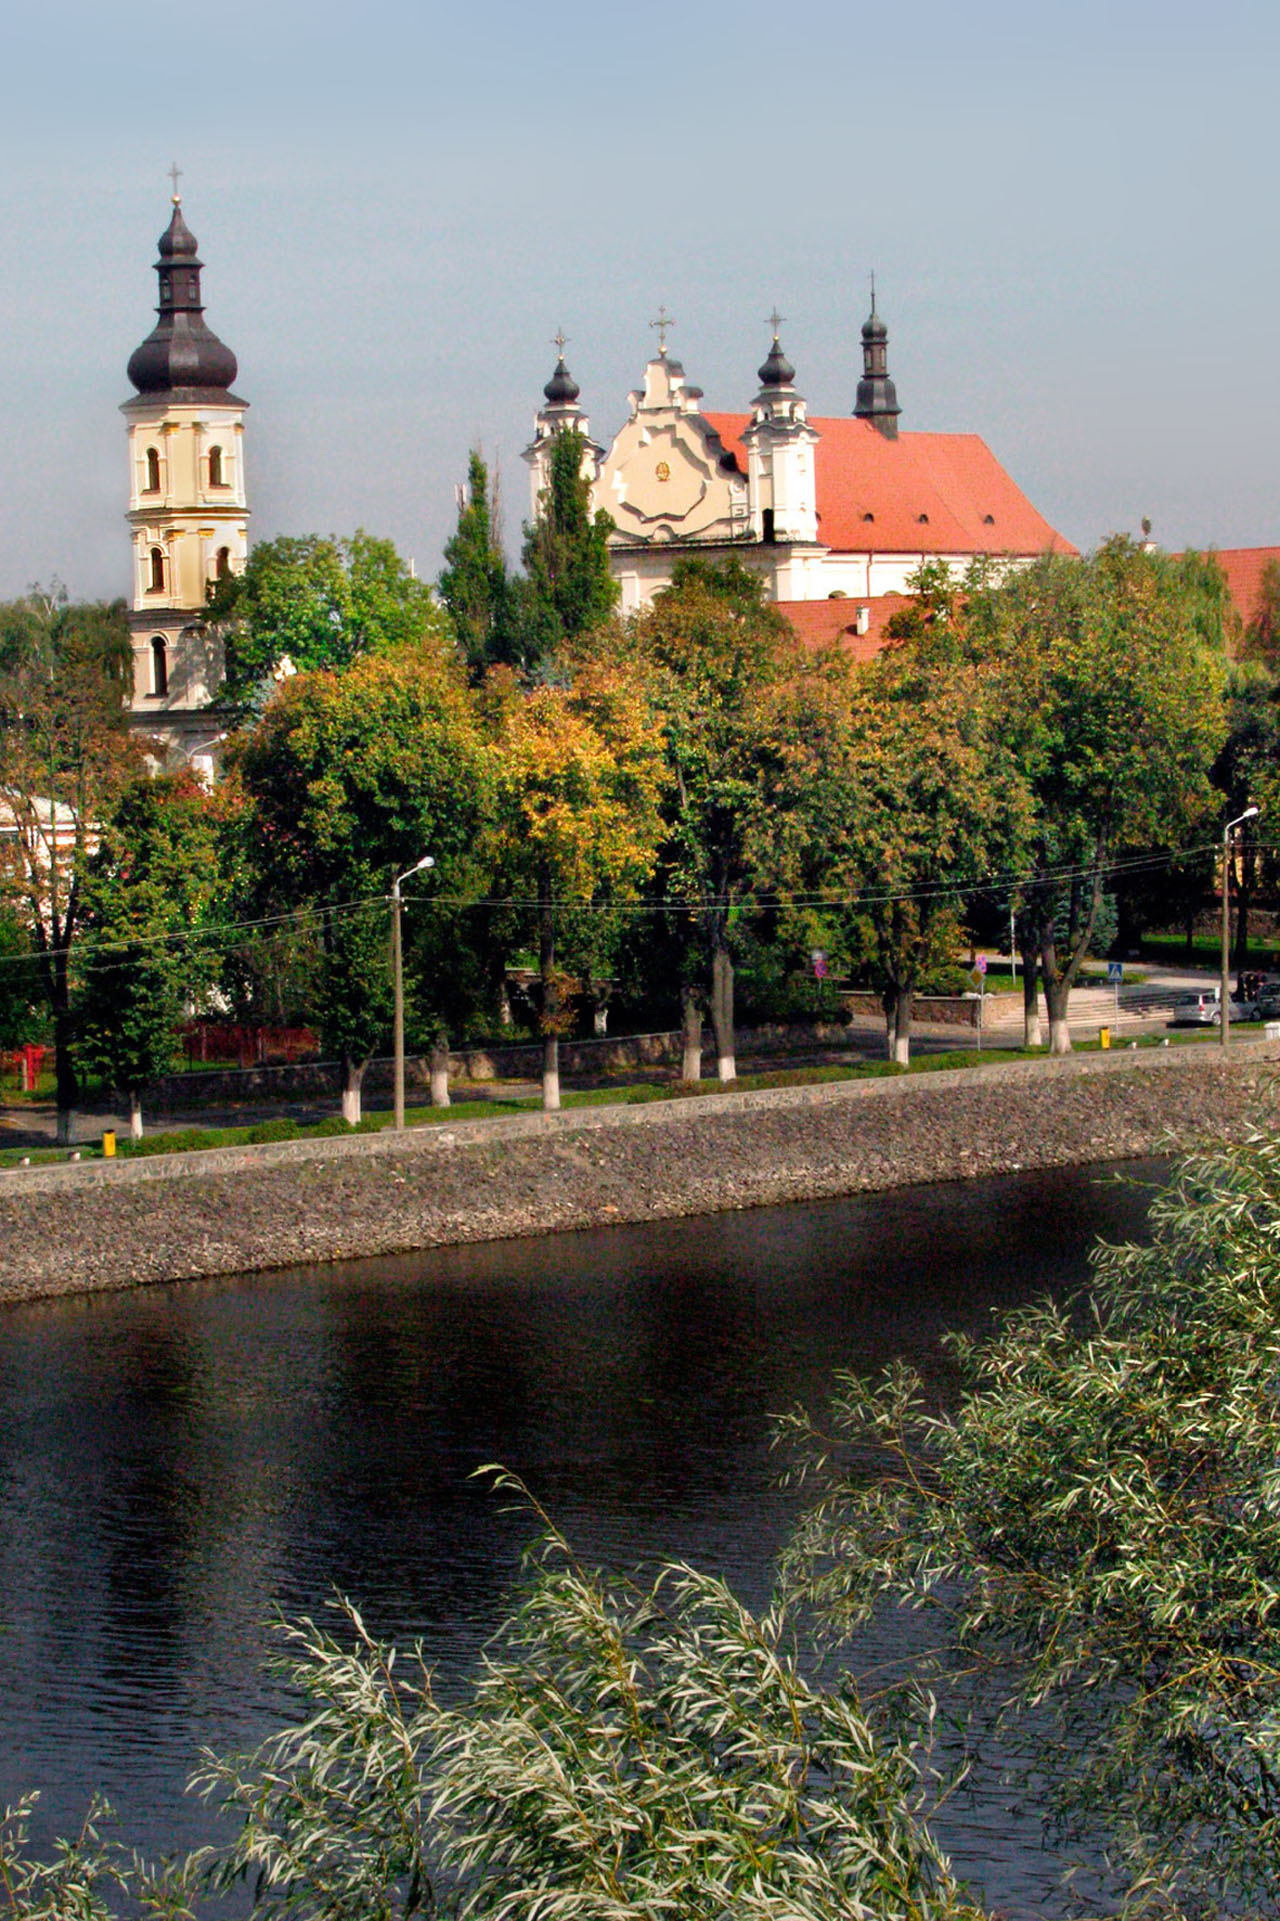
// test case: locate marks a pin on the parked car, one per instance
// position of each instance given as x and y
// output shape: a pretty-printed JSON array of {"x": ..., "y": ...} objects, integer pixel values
[{"x": 1201, "y": 1010}]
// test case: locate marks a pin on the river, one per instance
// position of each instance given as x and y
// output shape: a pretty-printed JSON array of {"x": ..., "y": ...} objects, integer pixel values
[{"x": 177, "y": 1463}]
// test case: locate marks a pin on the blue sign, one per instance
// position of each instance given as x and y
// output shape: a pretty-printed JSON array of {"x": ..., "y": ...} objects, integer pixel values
[{"x": 1115, "y": 973}]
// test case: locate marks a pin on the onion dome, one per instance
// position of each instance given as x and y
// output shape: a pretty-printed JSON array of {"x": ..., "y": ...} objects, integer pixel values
[
  {"x": 777, "y": 370},
  {"x": 562, "y": 389},
  {"x": 181, "y": 356}
]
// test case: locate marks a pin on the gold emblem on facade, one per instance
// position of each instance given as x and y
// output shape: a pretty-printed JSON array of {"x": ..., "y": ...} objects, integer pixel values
[{"x": 664, "y": 472}]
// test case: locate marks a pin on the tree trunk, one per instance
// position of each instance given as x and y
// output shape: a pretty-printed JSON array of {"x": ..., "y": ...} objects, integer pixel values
[
  {"x": 440, "y": 1072},
  {"x": 1057, "y": 994},
  {"x": 65, "y": 1077},
  {"x": 722, "y": 1011},
  {"x": 691, "y": 1023},
  {"x": 1031, "y": 1036},
  {"x": 550, "y": 1009},
  {"x": 135, "y": 1114},
  {"x": 504, "y": 1004},
  {"x": 897, "y": 1020},
  {"x": 352, "y": 1082}
]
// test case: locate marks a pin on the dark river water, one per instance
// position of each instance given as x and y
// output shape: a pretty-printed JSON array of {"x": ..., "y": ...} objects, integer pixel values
[{"x": 177, "y": 1463}]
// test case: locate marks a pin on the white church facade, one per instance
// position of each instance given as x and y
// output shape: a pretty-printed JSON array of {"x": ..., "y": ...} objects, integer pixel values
[{"x": 838, "y": 511}]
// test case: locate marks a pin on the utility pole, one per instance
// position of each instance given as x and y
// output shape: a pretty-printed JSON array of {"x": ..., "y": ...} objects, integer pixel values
[
  {"x": 397, "y": 979},
  {"x": 1224, "y": 988}
]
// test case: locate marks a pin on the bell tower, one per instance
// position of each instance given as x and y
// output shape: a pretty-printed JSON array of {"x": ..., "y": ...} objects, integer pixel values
[
  {"x": 559, "y": 414},
  {"x": 877, "y": 397},
  {"x": 780, "y": 447},
  {"x": 188, "y": 509}
]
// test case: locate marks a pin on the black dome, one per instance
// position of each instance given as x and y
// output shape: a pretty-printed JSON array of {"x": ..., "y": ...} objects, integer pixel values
[
  {"x": 562, "y": 389},
  {"x": 181, "y": 353},
  {"x": 777, "y": 370}
]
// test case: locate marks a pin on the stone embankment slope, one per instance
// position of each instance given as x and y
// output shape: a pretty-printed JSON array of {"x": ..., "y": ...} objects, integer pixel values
[{"x": 73, "y": 1229}]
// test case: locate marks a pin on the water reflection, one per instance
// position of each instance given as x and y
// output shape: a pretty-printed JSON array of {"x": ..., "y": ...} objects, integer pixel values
[{"x": 176, "y": 1463}]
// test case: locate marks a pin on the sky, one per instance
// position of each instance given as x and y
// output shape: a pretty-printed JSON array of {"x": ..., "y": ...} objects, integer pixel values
[{"x": 1070, "y": 209}]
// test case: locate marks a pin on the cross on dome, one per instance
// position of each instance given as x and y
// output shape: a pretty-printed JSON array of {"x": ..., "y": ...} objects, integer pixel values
[
  {"x": 560, "y": 340},
  {"x": 175, "y": 174},
  {"x": 775, "y": 321},
  {"x": 662, "y": 323}
]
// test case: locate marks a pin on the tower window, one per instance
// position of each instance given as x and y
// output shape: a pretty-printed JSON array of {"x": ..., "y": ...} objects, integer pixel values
[
  {"x": 155, "y": 582},
  {"x": 223, "y": 566},
  {"x": 767, "y": 517},
  {"x": 159, "y": 667},
  {"x": 216, "y": 476},
  {"x": 153, "y": 470}
]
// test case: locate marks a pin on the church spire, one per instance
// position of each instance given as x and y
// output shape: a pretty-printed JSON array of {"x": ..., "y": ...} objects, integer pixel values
[
  {"x": 877, "y": 397},
  {"x": 181, "y": 354}
]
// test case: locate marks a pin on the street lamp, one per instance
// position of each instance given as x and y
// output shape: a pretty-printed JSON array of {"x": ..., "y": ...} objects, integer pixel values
[
  {"x": 397, "y": 975},
  {"x": 1224, "y": 1000}
]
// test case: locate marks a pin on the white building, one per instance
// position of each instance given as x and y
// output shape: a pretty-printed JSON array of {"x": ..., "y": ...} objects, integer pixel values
[{"x": 831, "y": 511}]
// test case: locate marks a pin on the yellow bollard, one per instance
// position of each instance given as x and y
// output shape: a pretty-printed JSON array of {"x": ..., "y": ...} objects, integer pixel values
[
  {"x": 1104, "y": 1037},
  {"x": 108, "y": 1146}
]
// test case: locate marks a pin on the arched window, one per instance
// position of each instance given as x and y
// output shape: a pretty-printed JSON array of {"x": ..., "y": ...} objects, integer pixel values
[
  {"x": 223, "y": 567},
  {"x": 159, "y": 666},
  {"x": 153, "y": 470},
  {"x": 155, "y": 585},
  {"x": 216, "y": 478}
]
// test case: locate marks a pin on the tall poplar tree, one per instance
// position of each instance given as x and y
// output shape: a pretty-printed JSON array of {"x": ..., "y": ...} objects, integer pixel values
[
  {"x": 568, "y": 589},
  {"x": 473, "y": 583}
]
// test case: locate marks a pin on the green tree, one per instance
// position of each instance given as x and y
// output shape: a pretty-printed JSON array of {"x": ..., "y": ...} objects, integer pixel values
[
  {"x": 1246, "y": 770},
  {"x": 1096, "y": 1531},
  {"x": 1110, "y": 673},
  {"x": 749, "y": 721},
  {"x": 568, "y": 589},
  {"x": 66, "y": 753},
  {"x": 352, "y": 778},
  {"x": 19, "y": 986},
  {"x": 473, "y": 583},
  {"x": 925, "y": 800},
  {"x": 154, "y": 895},
  {"x": 309, "y": 603}
]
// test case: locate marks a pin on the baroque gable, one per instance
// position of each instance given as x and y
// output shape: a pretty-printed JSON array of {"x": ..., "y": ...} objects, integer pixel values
[{"x": 668, "y": 475}]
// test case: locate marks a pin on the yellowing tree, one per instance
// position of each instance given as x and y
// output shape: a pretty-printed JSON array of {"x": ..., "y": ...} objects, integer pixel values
[{"x": 580, "y": 775}]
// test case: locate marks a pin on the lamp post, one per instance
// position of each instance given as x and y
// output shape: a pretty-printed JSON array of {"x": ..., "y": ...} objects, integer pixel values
[
  {"x": 397, "y": 976},
  {"x": 1224, "y": 992}
]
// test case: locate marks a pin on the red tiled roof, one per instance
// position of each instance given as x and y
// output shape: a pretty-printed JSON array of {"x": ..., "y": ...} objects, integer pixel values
[
  {"x": 919, "y": 494},
  {"x": 1244, "y": 568},
  {"x": 819, "y": 622}
]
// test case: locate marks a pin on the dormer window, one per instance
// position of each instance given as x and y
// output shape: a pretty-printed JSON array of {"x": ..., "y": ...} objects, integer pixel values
[
  {"x": 155, "y": 579},
  {"x": 159, "y": 667},
  {"x": 923, "y": 519},
  {"x": 216, "y": 476},
  {"x": 988, "y": 520},
  {"x": 868, "y": 516},
  {"x": 153, "y": 470}
]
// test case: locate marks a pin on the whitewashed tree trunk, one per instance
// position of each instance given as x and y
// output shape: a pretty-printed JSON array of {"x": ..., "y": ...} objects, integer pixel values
[
  {"x": 550, "y": 1074},
  {"x": 1059, "y": 1034},
  {"x": 691, "y": 1023},
  {"x": 135, "y": 1117},
  {"x": 722, "y": 1013},
  {"x": 352, "y": 1076},
  {"x": 440, "y": 1074}
]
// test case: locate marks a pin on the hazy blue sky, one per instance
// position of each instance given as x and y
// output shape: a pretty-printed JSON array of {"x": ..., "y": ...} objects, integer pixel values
[{"x": 1071, "y": 210}]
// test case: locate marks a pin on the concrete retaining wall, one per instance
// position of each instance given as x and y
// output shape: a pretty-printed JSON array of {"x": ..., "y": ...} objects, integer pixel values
[{"x": 68, "y": 1229}]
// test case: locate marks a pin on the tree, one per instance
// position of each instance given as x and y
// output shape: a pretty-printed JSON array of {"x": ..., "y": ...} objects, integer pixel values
[
  {"x": 1261, "y": 639},
  {"x": 308, "y": 604},
  {"x": 1097, "y": 1531},
  {"x": 749, "y": 720},
  {"x": 579, "y": 780},
  {"x": 19, "y": 986},
  {"x": 352, "y": 778},
  {"x": 66, "y": 753},
  {"x": 925, "y": 801},
  {"x": 154, "y": 893},
  {"x": 1246, "y": 770},
  {"x": 568, "y": 589},
  {"x": 473, "y": 583},
  {"x": 1110, "y": 674}
]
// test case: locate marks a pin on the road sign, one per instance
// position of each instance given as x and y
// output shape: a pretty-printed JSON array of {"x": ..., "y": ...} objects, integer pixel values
[
  {"x": 819, "y": 959},
  {"x": 980, "y": 965},
  {"x": 1115, "y": 973}
]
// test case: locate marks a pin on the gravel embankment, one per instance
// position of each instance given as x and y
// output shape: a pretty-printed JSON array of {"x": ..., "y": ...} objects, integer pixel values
[{"x": 72, "y": 1229}]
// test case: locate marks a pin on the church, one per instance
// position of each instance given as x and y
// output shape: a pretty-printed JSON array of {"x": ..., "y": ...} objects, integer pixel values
[{"x": 837, "y": 514}]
